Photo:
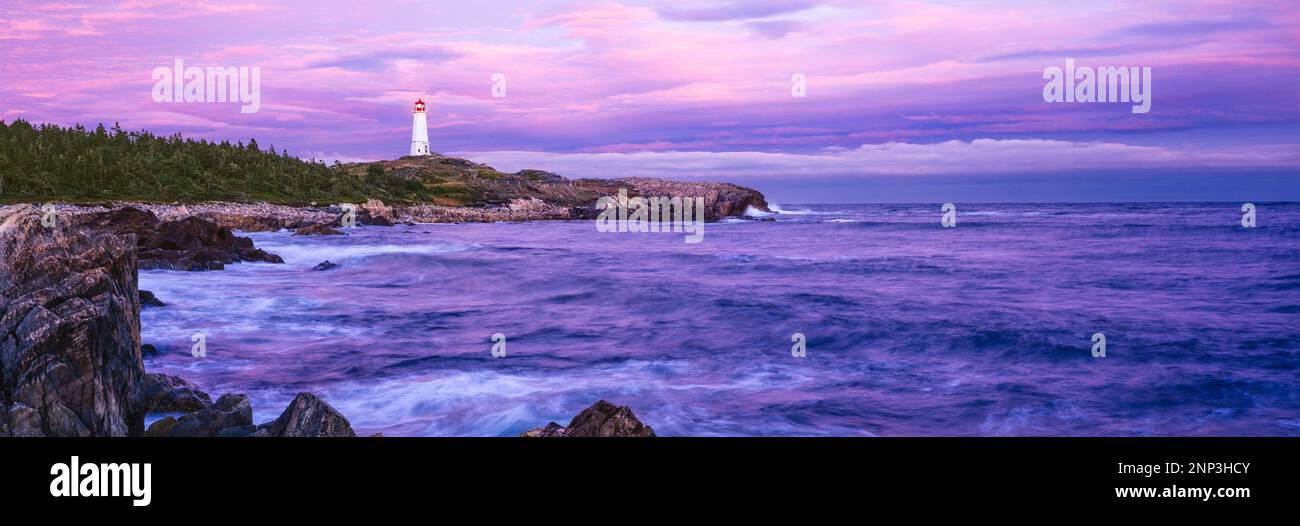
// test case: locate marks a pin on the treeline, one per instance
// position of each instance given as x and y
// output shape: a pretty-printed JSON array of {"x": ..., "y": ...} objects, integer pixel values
[{"x": 53, "y": 163}]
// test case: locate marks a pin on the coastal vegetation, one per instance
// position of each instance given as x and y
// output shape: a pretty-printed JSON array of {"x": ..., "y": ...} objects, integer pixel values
[
  {"x": 75, "y": 164},
  {"x": 49, "y": 163}
]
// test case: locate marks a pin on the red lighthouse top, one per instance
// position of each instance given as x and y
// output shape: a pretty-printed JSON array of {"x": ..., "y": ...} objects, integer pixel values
[{"x": 419, "y": 105}]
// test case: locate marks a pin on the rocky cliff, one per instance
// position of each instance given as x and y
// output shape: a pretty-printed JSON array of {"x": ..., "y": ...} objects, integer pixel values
[
  {"x": 469, "y": 186},
  {"x": 70, "y": 353},
  {"x": 187, "y": 243},
  {"x": 70, "y": 360}
]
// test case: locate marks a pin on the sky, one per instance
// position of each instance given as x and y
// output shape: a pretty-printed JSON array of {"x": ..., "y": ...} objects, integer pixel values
[{"x": 911, "y": 101}]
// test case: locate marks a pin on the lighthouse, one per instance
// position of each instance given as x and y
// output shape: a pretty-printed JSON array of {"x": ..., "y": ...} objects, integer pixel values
[{"x": 419, "y": 130}]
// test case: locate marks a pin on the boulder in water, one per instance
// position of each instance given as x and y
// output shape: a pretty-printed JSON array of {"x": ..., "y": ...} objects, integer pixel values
[
  {"x": 602, "y": 419},
  {"x": 308, "y": 416}
]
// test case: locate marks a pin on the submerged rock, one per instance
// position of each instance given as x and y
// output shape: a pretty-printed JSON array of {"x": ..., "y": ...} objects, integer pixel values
[
  {"x": 602, "y": 419},
  {"x": 325, "y": 265},
  {"x": 147, "y": 299},
  {"x": 70, "y": 360},
  {"x": 317, "y": 230},
  {"x": 308, "y": 416}
]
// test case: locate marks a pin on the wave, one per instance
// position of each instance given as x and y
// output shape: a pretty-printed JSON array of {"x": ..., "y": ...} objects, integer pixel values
[
  {"x": 311, "y": 253},
  {"x": 795, "y": 212}
]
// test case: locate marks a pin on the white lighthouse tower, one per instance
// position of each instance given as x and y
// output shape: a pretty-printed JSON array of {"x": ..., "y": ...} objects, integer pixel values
[{"x": 419, "y": 130}]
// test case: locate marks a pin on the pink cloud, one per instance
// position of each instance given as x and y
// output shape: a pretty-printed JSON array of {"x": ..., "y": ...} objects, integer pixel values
[{"x": 610, "y": 76}]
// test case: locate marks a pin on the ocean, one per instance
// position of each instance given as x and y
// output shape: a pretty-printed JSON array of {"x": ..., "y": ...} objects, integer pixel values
[{"x": 910, "y": 329}]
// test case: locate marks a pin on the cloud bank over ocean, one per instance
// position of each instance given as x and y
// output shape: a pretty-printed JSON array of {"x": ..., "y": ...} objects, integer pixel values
[{"x": 609, "y": 88}]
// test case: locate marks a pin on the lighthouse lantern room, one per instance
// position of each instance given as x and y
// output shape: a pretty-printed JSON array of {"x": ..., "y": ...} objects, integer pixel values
[{"x": 419, "y": 130}]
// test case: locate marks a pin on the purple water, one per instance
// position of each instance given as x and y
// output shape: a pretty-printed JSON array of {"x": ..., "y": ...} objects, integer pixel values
[{"x": 912, "y": 329}]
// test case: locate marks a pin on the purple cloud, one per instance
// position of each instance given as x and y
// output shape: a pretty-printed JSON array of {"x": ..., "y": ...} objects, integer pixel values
[{"x": 609, "y": 77}]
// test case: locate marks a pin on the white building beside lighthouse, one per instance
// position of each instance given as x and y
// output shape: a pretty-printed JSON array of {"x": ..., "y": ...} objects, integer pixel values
[{"x": 419, "y": 130}]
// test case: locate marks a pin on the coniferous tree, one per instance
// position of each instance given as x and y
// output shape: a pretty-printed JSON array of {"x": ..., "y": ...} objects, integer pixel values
[{"x": 50, "y": 162}]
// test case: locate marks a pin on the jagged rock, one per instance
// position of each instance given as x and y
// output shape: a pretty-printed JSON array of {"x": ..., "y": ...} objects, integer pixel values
[
  {"x": 148, "y": 299},
  {"x": 244, "y": 217},
  {"x": 231, "y": 410},
  {"x": 325, "y": 265},
  {"x": 161, "y": 428},
  {"x": 720, "y": 199},
  {"x": 246, "y": 222},
  {"x": 551, "y": 430},
  {"x": 70, "y": 362},
  {"x": 308, "y": 416},
  {"x": 602, "y": 419},
  {"x": 317, "y": 230},
  {"x": 375, "y": 212},
  {"x": 171, "y": 394},
  {"x": 190, "y": 243}
]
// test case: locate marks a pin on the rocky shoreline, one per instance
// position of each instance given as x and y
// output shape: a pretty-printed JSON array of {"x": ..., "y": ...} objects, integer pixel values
[
  {"x": 550, "y": 201},
  {"x": 71, "y": 358}
]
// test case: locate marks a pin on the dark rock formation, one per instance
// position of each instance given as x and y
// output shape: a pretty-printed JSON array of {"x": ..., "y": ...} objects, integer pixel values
[
  {"x": 248, "y": 222},
  {"x": 375, "y": 213},
  {"x": 326, "y": 265},
  {"x": 171, "y": 394},
  {"x": 317, "y": 230},
  {"x": 600, "y": 420},
  {"x": 161, "y": 428},
  {"x": 551, "y": 430},
  {"x": 230, "y": 411},
  {"x": 69, "y": 331},
  {"x": 149, "y": 350},
  {"x": 147, "y": 299},
  {"x": 720, "y": 199},
  {"x": 70, "y": 353},
  {"x": 190, "y": 243},
  {"x": 308, "y": 416}
]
